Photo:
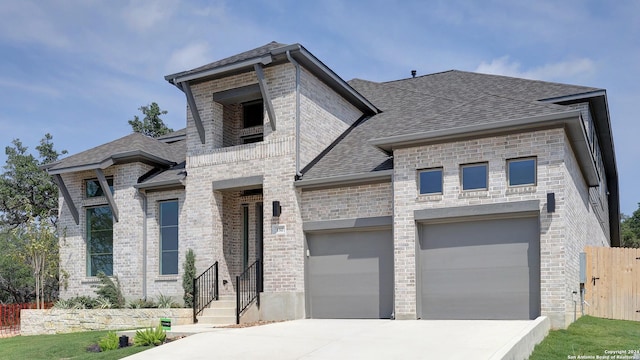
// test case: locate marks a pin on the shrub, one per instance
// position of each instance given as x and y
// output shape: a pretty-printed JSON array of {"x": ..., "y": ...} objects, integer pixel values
[
  {"x": 109, "y": 342},
  {"x": 166, "y": 302},
  {"x": 150, "y": 336},
  {"x": 103, "y": 303},
  {"x": 110, "y": 290},
  {"x": 142, "y": 304},
  {"x": 187, "y": 278},
  {"x": 78, "y": 302}
]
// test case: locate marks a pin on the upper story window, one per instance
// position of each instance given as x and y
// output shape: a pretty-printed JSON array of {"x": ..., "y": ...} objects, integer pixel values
[
  {"x": 252, "y": 114},
  {"x": 169, "y": 237},
  {"x": 474, "y": 176},
  {"x": 92, "y": 187},
  {"x": 521, "y": 172},
  {"x": 430, "y": 181}
]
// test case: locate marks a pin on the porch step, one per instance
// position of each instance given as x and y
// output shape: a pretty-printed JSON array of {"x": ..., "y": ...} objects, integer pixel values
[{"x": 219, "y": 312}]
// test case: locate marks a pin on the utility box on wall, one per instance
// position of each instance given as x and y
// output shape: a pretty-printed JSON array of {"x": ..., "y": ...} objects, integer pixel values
[{"x": 583, "y": 268}]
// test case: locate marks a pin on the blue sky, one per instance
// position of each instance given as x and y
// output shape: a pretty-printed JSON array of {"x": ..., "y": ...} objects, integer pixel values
[{"x": 80, "y": 69}]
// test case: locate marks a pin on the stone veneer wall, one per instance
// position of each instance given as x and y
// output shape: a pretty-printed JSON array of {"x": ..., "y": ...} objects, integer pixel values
[
  {"x": 557, "y": 172},
  {"x": 59, "y": 321},
  {"x": 127, "y": 233}
]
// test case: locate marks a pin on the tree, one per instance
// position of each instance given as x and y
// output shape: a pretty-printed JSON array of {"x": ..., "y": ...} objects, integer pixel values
[
  {"x": 15, "y": 276},
  {"x": 37, "y": 245},
  {"x": 28, "y": 200},
  {"x": 27, "y": 191},
  {"x": 630, "y": 229},
  {"x": 151, "y": 125}
]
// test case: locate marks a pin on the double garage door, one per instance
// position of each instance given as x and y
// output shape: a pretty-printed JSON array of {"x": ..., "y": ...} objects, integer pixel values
[{"x": 471, "y": 269}]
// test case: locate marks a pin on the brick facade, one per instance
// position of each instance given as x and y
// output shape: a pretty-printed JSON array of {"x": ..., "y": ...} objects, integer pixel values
[{"x": 211, "y": 219}]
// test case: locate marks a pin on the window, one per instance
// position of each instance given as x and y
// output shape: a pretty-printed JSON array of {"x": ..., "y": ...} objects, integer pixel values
[
  {"x": 521, "y": 172},
  {"x": 430, "y": 181},
  {"x": 474, "y": 176},
  {"x": 93, "y": 189},
  {"x": 99, "y": 241},
  {"x": 252, "y": 114},
  {"x": 169, "y": 237}
]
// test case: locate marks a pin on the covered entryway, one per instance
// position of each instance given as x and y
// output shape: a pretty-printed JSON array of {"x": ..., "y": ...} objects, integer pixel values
[
  {"x": 480, "y": 269},
  {"x": 350, "y": 274}
]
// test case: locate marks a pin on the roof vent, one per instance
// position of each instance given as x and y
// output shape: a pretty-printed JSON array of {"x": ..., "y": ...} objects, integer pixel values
[{"x": 413, "y": 73}]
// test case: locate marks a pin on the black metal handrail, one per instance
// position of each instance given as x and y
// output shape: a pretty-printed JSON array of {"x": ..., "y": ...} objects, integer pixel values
[
  {"x": 247, "y": 288},
  {"x": 205, "y": 290}
]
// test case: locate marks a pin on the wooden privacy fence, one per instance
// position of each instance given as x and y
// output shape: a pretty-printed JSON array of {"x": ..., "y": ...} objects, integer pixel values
[{"x": 612, "y": 287}]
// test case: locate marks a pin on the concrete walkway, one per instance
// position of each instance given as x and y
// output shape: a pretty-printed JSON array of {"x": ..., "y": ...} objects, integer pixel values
[{"x": 356, "y": 339}]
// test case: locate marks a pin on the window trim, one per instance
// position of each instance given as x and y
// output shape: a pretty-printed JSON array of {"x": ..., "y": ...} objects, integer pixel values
[
  {"x": 433, "y": 169},
  {"x": 535, "y": 171},
  {"x": 88, "y": 239},
  {"x": 84, "y": 184},
  {"x": 486, "y": 166},
  {"x": 160, "y": 227}
]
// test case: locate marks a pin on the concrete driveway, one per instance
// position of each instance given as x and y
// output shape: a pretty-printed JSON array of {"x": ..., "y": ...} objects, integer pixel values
[{"x": 361, "y": 339}]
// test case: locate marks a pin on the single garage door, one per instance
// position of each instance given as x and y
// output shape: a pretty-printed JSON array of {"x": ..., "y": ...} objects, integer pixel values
[
  {"x": 483, "y": 269},
  {"x": 350, "y": 274}
]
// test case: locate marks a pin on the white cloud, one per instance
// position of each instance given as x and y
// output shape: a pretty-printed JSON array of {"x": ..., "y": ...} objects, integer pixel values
[
  {"x": 550, "y": 72},
  {"x": 145, "y": 15},
  {"x": 188, "y": 57}
]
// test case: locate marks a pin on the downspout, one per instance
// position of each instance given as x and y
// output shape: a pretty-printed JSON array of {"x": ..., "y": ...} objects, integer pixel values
[
  {"x": 298, "y": 173},
  {"x": 144, "y": 243}
]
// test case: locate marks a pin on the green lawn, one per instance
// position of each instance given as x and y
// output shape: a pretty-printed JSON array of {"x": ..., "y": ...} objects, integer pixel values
[
  {"x": 63, "y": 346},
  {"x": 593, "y": 338}
]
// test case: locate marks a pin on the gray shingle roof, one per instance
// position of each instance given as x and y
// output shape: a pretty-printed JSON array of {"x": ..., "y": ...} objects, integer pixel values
[
  {"x": 254, "y": 53},
  {"x": 438, "y": 101},
  {"x": 135, "y": 145},
  {"x": 172, "y": 176}
]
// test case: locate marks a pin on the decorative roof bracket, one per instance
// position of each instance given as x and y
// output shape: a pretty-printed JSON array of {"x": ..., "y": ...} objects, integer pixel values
[
  {"x": 194, "y": 109},
  {"x": 67, "y": 197},
  {"x": 107, "y": 192},
  {"x": 265, "y": 95}
]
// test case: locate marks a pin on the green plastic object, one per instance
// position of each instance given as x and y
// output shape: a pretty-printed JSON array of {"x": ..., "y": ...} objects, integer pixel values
[{"x": 165, "y": 323}]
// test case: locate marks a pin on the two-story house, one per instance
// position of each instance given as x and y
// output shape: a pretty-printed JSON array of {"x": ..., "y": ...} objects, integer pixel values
[{"x": 452, "y": 195}]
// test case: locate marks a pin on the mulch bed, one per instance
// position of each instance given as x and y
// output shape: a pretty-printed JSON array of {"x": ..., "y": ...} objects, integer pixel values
[{"x": 250, "y": 324}]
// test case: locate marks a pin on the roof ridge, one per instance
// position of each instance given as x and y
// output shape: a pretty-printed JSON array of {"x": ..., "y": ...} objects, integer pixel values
[
  {"x": 420, "y": 76},
  {"x": 525, "y": 79}
]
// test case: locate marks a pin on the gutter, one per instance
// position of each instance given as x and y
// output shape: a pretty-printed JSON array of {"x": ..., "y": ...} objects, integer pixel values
[
  {"x": 342, "y": 180},
  {"x": 264, "y": 60},
  {"x": 570, "y": 121},
  {"x": 144, "y": 242},
  {"x": 408, "y": 140},
  {"x": 298, "y": 173}
]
